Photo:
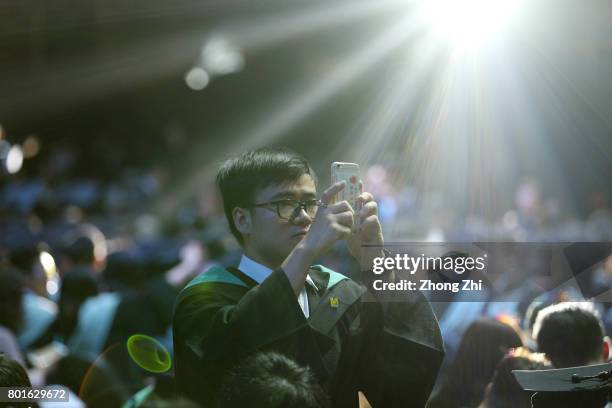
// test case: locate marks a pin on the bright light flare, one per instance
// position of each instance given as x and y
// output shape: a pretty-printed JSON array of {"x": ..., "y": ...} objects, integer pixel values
[
  {"x": 221, "y": 57},
  {"x": 197, "y": 78},
  {"x": 48, "y": 264},
  {"x": 52, "y": 287},
  {"x": 50, "y": 269},
  {"x": 470, "y": 24},
  {"x": 14, "y": 159}
]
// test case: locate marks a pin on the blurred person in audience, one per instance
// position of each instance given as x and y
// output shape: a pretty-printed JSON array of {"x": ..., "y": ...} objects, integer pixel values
[
  {"x": 77, "y": 286},
  {"x": 571, "y": 334},
  {"x": 38, "y": 311},
  {"x": 601, "y": 280},
  {"x": 276, "y": 301},
  {"x": 96, "y": 383},
  {"x": 12, "y": 374},
  {"x": 147, "y": 301},
  {"x": 140, "y": 301},
  {"x": 27, "y": 261},
  {"x": 504, "y": 391},
  {"x": 134, "y": 304},
  {"x": 11, "y": 311},
  {"x": 83, "y": 246},
  {"x": 78, "y": 253},
  {"x": 147, "y": 297},
  {"x": 271, "y": 380},
  {"x": 195, "y": 257},
  {"x": 601, "y": 285},
  {"x": 11, "y": 319},
  {"x": 540, "y": 303},
  {"x": 483, "y": 345},
  {"x": 214, "y": 249},
  {"x": 599, "y": 221}
]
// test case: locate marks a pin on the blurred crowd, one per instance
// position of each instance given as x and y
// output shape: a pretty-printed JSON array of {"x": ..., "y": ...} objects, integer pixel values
[{"x": 85, "y": 264}]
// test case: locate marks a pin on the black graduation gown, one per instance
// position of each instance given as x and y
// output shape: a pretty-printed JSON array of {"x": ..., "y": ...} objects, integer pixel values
[{"x": 391, "y": 352}]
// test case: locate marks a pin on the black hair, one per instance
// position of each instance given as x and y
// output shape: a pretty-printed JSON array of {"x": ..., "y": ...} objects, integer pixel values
[
  {"x": 11, "y": 293},
  {"x": 240, "y": 177},
  {"x": 504, "y": 391},
  {"x": 80, "y": 250},
  {"x": 271, "y": 380},
  {"x": 12, "y": 374},
  {"x": 125, "y": 270},
  {"x": 570, "y": 334},
  {"x": 483, "y": 345}
]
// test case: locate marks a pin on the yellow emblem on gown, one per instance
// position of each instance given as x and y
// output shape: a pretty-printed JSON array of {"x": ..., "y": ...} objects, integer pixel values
[{"x": 334, "y": 302}]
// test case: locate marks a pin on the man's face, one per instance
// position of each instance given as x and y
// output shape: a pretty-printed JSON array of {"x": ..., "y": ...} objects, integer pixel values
[{"x": 271, "y": 237}]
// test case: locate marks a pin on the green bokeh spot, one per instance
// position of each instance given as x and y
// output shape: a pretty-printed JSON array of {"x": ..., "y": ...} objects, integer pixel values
[{"x": 149, "y": 353}]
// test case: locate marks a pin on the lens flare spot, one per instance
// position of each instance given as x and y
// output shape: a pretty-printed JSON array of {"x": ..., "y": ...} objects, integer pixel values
[{"x": 149, "y": 353}]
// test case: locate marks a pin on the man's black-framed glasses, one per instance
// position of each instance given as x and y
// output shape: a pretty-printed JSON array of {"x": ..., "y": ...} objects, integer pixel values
[{"x": 288, "y": 209}]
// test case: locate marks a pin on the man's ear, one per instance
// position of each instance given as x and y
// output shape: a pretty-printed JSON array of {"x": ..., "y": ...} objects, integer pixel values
[
  {"x": 607, "y": 345},
  {"x": 242, "y": 220}
]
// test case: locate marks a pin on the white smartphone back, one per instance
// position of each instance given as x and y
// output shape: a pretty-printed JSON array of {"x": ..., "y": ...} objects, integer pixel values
[{"x": 348, "y": 172}]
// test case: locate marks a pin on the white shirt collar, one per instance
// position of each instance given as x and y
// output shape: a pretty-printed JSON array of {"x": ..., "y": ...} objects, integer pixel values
[
  {"x": 259, "y": 272},
  {"x": 254, "y": 270}
]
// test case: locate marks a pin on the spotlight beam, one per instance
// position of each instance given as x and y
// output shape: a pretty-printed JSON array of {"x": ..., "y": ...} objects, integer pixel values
[
  {"x": 293, "y": 110},
  {"x": 395, "y": 106},
  {"x": 258, "y": 33}
]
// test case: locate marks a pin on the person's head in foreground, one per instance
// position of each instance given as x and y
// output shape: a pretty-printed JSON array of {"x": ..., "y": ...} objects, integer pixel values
[
  {"x": 12, "y": 375},
  {"x": 483, "y": 345},
  {"x": 504, "y": 391},
  {"x": 571, "y": 334},
  {"x": 271, "y": 380}
]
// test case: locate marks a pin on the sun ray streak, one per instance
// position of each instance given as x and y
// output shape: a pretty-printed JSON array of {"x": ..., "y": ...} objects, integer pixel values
[
  {"x": 259, "y": 33},
  {"x": 308, "y": 100}
]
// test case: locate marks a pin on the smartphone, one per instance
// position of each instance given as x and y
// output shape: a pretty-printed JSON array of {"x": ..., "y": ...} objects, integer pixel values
[{"x": 348, "y": 172}]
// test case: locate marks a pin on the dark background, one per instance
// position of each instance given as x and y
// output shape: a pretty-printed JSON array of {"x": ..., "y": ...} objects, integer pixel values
[{"x": 105, "y": 80}]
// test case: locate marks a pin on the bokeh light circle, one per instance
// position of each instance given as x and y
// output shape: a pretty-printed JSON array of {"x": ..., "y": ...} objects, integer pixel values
[{"x": 149, "y": 353}]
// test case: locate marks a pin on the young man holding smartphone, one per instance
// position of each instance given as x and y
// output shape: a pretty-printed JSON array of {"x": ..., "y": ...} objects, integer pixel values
[{"x": 276, "y": 300}]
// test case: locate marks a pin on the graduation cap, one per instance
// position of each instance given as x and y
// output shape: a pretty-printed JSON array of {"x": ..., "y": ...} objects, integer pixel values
[{"x": 586, "y": 386}]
